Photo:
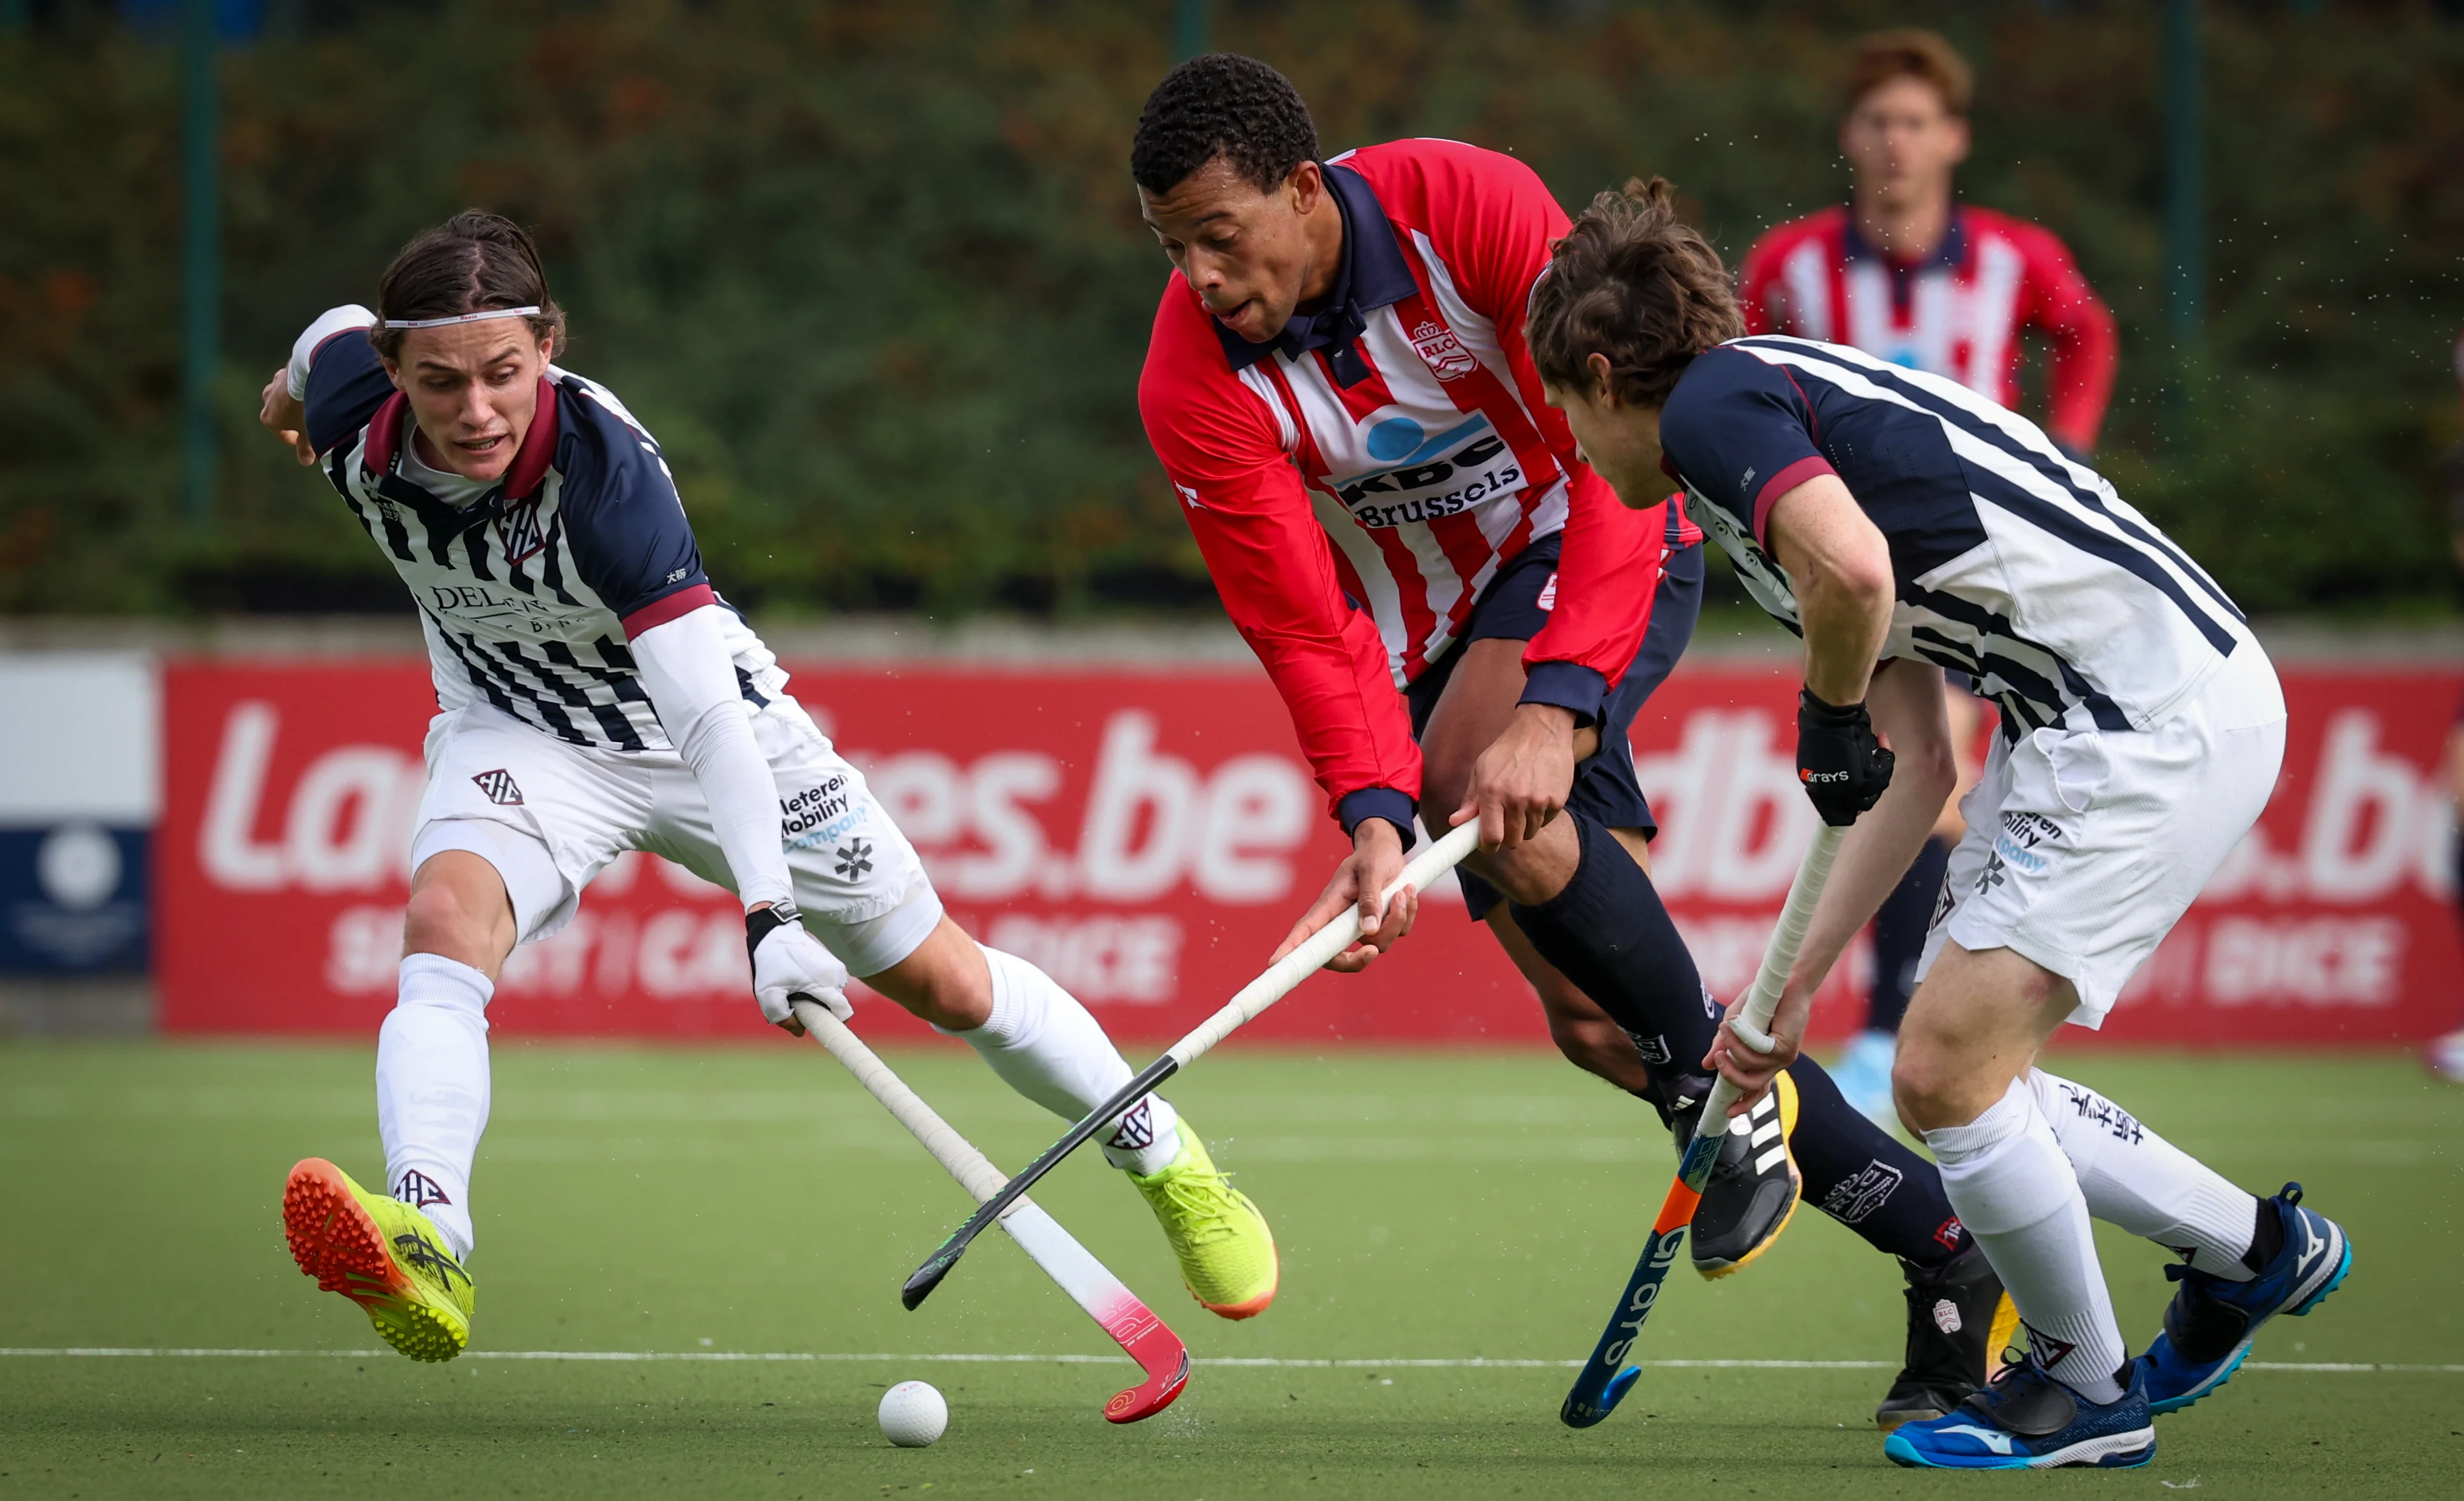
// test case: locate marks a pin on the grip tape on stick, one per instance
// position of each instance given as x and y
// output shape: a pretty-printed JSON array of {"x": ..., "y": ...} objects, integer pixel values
[{"x": 1752, "y": 1025}]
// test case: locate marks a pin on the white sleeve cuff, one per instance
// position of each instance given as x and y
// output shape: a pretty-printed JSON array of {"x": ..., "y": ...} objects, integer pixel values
[{"x": 332, "y": 322}]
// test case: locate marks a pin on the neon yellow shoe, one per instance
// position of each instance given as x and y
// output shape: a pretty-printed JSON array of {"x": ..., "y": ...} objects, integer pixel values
[
  {"x": 381, "y": 1254},
  {"x": 1228, "y": 1254}
]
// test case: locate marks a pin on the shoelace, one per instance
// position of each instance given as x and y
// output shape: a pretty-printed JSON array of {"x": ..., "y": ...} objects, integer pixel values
[{"x": 1209, "y": 1203}]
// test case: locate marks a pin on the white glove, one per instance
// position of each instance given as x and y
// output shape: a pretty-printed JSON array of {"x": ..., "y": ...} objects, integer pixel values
[{"x": 789, "y": 962}]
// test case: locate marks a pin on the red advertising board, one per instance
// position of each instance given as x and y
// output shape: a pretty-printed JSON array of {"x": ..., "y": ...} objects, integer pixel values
[{"x": 1147, "y": 837}]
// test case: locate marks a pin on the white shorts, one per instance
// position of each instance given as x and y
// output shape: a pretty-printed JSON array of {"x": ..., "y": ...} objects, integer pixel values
[
  {"x": 2085, "y": 847},
  {"x": 550, "y": 815}
]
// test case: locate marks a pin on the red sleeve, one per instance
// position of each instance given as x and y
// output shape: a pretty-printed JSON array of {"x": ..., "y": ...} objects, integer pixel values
[
  {"x": 2080, "y": 378},
  {"x": 1271, "y": 561},
  {"x": 1492, "y": 220}
]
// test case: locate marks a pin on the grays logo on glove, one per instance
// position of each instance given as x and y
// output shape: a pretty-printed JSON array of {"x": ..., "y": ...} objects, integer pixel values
[{"x": 1843, "y": 768}]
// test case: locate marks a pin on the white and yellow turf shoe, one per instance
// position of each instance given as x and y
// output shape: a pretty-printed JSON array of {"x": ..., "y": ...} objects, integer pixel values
[
  {"x": 1754, "y": 1187},
  {"x": 380, "y": 1254},
  {"x": 1226, "y": 1253}
]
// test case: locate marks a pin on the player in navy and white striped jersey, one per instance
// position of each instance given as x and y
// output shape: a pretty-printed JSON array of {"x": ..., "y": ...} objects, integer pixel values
[
  {"x": 1903, "y": 524},
  {"x": 595, "y": 695}
]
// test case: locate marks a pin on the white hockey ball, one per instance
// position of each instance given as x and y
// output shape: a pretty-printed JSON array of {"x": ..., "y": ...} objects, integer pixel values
[{"x": 912, "y": 1415}]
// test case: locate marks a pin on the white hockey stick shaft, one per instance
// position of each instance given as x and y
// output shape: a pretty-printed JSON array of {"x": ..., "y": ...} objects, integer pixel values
[
  {"x": 1285, "y": 974},
  {"x": 1753, "y": 1025},
  {"x": 974, "y": 1171}
]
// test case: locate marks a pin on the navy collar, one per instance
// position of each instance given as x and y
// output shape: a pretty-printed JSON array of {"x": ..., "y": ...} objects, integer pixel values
[
  {"x": 1952, "y": 251},
  {"x": 1371, "y": 275}
]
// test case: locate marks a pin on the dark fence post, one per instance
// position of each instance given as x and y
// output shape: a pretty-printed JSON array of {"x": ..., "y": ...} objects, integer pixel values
[{"x": 203, "y": 277}]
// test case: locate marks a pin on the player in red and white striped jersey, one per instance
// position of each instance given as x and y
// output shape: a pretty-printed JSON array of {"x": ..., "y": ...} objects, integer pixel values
[
  {"x": 1403, "y": 530},
  {"x": 1907, "y": 273}
]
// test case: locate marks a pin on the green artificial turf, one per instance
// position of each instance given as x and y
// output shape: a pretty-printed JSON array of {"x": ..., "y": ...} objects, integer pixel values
[{"x": 1429, "y": 1207}]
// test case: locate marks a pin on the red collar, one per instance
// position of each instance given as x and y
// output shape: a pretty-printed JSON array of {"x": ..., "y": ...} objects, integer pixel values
[{"x": 522, "y": 478}]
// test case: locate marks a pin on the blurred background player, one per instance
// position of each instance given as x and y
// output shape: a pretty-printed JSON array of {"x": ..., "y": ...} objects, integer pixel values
[
  {"x": 1908, "y": 273},
  {"x": 1901, "y": 525},
  {"x": 1339, "y": 392},
  {"x": 2445, "y": 1054},
  {"x": 596, "y": 696}
]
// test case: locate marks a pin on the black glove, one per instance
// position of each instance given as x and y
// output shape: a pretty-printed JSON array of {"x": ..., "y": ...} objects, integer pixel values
[{"x": 1844, "y": 769}]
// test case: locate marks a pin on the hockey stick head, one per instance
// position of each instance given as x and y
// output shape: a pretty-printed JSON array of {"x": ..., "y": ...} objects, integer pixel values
[
  {"x": 1581, "y": 1413},
  {"x": 1161, "y": 1355},
  {"x": 921, "y": 1282}
]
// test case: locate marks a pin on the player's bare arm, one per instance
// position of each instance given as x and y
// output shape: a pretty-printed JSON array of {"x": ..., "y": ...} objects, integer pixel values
[
  {"x": 1904, "y": 698},
  {"x": 1840, "y": 569}
]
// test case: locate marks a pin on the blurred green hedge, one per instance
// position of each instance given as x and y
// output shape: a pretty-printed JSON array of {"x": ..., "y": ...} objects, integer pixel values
[{"x": 872, "y": 272}]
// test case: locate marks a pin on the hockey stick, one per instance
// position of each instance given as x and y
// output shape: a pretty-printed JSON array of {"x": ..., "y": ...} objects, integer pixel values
[
  {"x": 1277, "y": 982},
  {"x": 1131, "y": 1323},
  {"x": 1605, "y": 1377}
]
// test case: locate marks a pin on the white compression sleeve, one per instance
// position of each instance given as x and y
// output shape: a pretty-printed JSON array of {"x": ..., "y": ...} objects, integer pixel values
[
  {"x": 691, "y": 678},
  {"x": 1045, "y": 1045},
  {"x": 2016, "y": 1192},
  {"x": 2137, "y": 1180},
  {"x": 432, "y": 1089},
  {"x": 332, "y": 322}
]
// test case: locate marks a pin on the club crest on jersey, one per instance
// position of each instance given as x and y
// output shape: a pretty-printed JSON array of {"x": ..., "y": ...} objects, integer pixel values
[
  {"x": 1442, "y": 352},
  {"x": 497, "y": 786},
  {"x": 519, "y": 532}
]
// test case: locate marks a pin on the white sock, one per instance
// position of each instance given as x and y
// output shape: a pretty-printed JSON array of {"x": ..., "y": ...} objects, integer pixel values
[
  {"x": 2016, "y": 1193},
  {"x": 2137, "y": 1180},
  {"x": 432, "y": 1089},
  {"x": 1047, "y": 1046}
]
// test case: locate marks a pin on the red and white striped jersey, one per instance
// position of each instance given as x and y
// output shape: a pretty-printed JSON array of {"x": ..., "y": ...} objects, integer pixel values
[
  {"x": 1353, "y": 497},
  {"x": 1958, "y": 314}
]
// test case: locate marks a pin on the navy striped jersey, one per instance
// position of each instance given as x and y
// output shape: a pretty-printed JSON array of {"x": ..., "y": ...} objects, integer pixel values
[
  {"x": 2011, "y": 564},
  {"x": 529, "y": 594}
]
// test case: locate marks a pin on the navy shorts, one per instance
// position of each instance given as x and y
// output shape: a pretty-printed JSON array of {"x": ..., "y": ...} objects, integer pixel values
[{"x": 1509, "y": 609}]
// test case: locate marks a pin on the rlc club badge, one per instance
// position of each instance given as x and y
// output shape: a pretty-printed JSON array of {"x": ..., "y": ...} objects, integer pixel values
[{"x": 1442, "y": 352}]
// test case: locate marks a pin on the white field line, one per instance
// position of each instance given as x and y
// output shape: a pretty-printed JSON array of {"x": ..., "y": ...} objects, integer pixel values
[{"x": 1269, "y": 1362}]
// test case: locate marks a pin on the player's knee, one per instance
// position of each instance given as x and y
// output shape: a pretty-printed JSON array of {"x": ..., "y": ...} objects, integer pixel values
[
  {"x": 1444, "y": 777},
  {"x": 439, "y": 919},
  {"x": 1520, "y": 873},
  {"x": 1927, "y": 1084},
  {"x": 947, "y": 980}
]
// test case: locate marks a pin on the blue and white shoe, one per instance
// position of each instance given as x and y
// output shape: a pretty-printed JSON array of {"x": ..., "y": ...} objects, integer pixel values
[
  {"x": 1863, "y": 1074},
  {"x": 2210, "y": 1322},
  {"x": 2026, "y": 1420}
]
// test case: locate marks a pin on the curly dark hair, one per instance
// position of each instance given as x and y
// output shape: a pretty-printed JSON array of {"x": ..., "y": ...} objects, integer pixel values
[
  {"x": 1635, "y": 282},
  {"x": 1228, "y": 105},
  {"x": 472, "y": 263}
]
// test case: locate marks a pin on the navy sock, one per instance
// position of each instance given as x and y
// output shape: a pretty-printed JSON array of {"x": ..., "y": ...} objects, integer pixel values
[
  {"x": 1608, "y": 933},
  {"x": 2266, "y": 1238},
  {"x": 1861, "y": 1175}
]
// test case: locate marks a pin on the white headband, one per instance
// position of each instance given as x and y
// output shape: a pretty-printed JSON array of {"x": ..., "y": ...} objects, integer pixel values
[{"x": 459, "y": 318}]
